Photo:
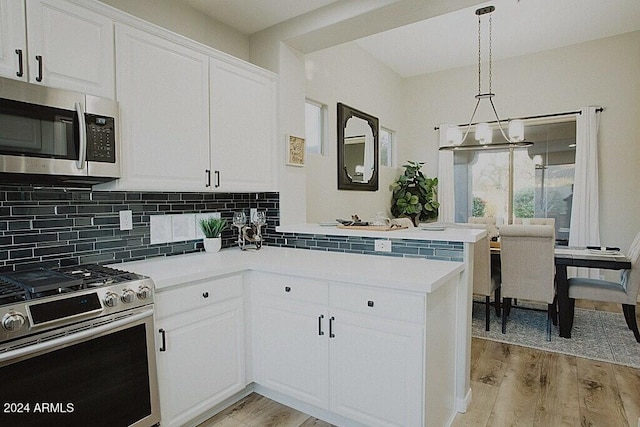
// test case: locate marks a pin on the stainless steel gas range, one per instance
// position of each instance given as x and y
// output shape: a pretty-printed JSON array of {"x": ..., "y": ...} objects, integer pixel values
[{"x": 77, "y": 348}]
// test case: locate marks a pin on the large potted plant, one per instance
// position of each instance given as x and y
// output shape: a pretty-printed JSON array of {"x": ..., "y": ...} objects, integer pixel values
[
  {"x": 212, "y": 228},
  {"x": 414, "y": 195}
]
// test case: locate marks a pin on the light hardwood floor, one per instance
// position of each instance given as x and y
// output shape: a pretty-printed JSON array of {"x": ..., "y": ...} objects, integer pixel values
[{"x": 512, "y": 386}]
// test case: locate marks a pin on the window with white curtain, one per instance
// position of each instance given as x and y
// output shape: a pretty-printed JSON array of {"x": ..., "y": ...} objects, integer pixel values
[
  {"x": 315, "y": 127},
  {"x": 543, "y": 177}
]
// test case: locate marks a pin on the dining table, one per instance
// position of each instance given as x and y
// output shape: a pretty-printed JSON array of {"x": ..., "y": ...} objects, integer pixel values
[{"x": 568, "y": 256}]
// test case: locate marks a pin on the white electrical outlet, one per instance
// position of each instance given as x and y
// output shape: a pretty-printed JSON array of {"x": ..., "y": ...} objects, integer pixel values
[
  {"x": 126, "y": 220},
  {"x": 382, "y": 245},
  {"x": 252, "y": 215}
]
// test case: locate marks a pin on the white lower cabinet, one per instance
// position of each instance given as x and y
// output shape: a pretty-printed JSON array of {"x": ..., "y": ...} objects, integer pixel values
[
  {"x": 353, "y": 350},
  {"x": 200, "y": 342},
  {"x": 375, "y": 372},
  {"x": 292, "y": 355}
]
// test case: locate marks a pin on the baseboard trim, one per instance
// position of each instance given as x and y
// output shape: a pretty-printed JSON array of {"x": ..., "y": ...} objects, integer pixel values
[{"x": 463, "y": 404}]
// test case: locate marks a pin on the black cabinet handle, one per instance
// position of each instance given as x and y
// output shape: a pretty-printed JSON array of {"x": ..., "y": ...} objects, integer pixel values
[
  {"x": 20, "y": 67},
  {"x": 164, "y": 342},
  {"x": 208, "y": 172},
  {"x": 331, "y": 334},
  {"x": 217, "y": 179},
  {"x": 287, "y": 289},
  {"x": 205, "y": 294},
  {"x": 39, "y": 59},
  {"x": 320, "y": 331},
  {"x": 369, "y": 303}
]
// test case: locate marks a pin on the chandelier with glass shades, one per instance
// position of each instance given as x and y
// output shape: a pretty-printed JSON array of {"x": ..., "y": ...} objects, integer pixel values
[{"x": 483, "y": 131}]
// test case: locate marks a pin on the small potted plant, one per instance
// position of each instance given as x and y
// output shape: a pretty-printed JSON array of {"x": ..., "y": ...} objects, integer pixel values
[
  {"x": 414, "y": 195},
  {"x": 212, "y": 228}
]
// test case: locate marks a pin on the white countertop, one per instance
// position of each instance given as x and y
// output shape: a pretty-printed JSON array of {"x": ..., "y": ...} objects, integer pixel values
[
  {"x": 410, "y": 274},
  {"x": 452, "y": 232}
]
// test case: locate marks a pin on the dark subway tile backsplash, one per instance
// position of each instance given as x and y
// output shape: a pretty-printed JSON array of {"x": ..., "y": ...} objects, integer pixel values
[
  {"x": 47, "y": 227},
  {"x": 56, "y": 226}
]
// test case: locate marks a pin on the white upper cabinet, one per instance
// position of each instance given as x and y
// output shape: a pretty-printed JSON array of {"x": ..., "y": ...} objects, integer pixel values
[
  {"x": 243, "y": 128},
  {"x": 68, "y": 47},
  {"x": 163, "y": 92},
  {"x": 13, "y": 40}
]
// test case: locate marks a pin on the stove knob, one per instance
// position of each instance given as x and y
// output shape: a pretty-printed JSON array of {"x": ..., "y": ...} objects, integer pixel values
[
  {"x": 127, "y": 296},
  {"x": 13, "y": 321},
  {"x": 111, "y": 299},
  {"x": 144, "y": 292}
]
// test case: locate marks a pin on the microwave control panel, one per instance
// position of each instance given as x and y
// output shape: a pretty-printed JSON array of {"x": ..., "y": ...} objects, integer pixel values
[{"x": 101, "y": 140}]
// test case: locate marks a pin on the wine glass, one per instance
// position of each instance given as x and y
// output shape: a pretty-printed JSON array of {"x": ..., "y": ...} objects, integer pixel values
[
  {"x": 260, "y": 219},
  {"x": 239, "y": 219}
]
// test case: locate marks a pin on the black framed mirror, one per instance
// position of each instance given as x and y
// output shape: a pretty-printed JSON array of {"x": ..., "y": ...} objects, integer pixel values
[{"x": 357, "y": 150}]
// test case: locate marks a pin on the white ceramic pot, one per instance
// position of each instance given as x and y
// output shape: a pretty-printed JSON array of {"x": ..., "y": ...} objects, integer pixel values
[{"x": 212, "y": 244}]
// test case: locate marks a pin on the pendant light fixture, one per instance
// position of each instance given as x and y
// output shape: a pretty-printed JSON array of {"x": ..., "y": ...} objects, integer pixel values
[{"x": 483, "y": 131}]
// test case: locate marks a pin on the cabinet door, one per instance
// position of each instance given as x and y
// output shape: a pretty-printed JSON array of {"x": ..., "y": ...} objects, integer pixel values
[
  {"x": 203, "y": 363},
  {"x": 292, "y": 355},
  {"x": 376, "y": 370},
  {"x": 243, "y": 128},
  {"x": 164, "y": 113},
  {"x": 75, "y": 46},
  {"x": 12, "y": 37}
]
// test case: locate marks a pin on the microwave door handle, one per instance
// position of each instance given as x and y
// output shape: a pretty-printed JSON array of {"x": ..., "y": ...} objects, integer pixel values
[{"x": 82, "y": 155}]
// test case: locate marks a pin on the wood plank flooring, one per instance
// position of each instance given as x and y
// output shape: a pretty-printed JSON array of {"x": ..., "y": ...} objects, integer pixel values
[
  {"x": 512, "y": 386},
  {"x": 258, "y": 411}
]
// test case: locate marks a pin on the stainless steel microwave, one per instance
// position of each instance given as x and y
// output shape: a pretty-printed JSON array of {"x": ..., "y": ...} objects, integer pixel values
[{"x": 54, "y": 136}]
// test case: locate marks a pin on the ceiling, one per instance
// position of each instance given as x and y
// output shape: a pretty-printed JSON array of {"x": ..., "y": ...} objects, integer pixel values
[
  {"x": 251, "y": 16},
  {"x": 520, "y": 27}
]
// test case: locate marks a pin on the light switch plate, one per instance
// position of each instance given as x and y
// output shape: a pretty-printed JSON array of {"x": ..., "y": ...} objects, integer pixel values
[
  {"x": 182, "y": 227},
  {"x": 160, "y": 226},
  {"x": 126, "y": 220}
]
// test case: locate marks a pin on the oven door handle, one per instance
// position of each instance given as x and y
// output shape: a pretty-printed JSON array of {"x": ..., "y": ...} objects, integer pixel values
[{"x": 43, "y": 346}]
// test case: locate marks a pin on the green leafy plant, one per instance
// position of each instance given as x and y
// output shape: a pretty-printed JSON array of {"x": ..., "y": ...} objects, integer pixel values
[
  {"x": 212, "y": 227},
  {"x": 414, "y": 195},
  {"x": 479, "y": 207}
]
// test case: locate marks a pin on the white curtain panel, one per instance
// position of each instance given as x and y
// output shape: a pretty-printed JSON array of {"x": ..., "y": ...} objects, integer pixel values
[
  {"x": 446, "y": 194},
  {"x": 585, "y": 209}
]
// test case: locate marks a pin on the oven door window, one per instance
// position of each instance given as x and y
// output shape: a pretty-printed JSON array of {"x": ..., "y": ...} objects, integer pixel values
[
  {"x": 38, "y": 131},
  {"x": 103, "y": 381}
]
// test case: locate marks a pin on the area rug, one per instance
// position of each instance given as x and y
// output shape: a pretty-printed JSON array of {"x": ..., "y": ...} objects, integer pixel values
[{"x": 595, "y": 334}]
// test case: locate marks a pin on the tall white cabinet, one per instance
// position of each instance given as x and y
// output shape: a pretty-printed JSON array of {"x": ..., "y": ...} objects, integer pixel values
[
  {"x": 13, "y": 40},
  {"x": 191, "y": 121},
  {"x": 163, "y": 93},
  {"x": 243, "y": 126},
  {"x": 59, "y": 44}
]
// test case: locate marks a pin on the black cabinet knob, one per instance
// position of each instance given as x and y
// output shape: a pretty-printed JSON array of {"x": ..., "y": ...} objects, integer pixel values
[
  {"x": 369, "y": 303},
  {"x": 205, "y": 294},
  {"x": 287, "y": 289}
]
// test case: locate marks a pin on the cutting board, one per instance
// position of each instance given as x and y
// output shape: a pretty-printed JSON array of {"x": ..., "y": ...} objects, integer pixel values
[{"x": 372, "y": 227}]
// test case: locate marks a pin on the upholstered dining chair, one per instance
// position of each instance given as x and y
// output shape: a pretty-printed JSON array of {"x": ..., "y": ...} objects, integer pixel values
[
  {"x": 624, "y": 292},
  {"x": 535, "y": 221},
  {"x": 528, "y": 268},
  {"x": 490, "y": 221}
]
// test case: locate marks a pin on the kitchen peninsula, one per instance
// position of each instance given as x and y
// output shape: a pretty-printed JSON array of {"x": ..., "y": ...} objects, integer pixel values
[{"x": 354, "y": 339}]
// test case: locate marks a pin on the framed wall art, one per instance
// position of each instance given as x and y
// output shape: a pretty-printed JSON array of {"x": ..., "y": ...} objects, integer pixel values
[{"x": 295, "y": 150}]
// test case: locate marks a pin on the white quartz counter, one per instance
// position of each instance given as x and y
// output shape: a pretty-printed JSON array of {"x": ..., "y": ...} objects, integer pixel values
[
  {"x": 451, "y": 233},
  {"x": 410, "y": 274}
]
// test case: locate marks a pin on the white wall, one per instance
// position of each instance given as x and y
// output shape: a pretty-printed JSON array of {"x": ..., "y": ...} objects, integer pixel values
[
  {"x": 603, "y": 72},
  {"x": 348, "y": 74},
  {"x": 186, "y": 21}
]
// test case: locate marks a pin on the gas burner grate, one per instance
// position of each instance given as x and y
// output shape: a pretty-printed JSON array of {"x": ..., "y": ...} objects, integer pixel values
[
  {"x": 95, "y": 275},
  {"x": 10, "y": 293}
]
